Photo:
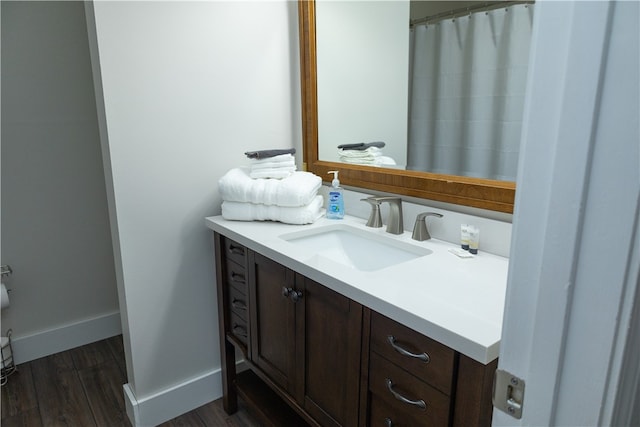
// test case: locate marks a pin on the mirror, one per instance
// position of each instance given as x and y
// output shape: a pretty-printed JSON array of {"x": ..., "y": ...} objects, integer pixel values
[{"x": 468, "y": 191}]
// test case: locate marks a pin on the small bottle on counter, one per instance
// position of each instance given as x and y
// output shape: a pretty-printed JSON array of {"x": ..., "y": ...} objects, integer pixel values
[
  {"x": 474, "y": 239},
  {"x": 464, "y": 236},
  {"x": 335, "y": 204}
]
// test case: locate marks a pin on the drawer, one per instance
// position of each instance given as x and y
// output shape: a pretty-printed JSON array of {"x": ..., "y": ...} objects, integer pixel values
[
  {"x": 398, "y": 343},
  {"x": 382, "y": 414},
  {"x": 391, "y": 384},
  {"x": 239, "y": 329},
  {"x": 238, "y": 303},
  {"x": 237, "y": 277},
  {"x": 235, "y": 252}
]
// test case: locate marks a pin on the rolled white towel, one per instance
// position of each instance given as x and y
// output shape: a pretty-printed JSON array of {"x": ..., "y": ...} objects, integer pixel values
[
  {"x": 298, "y": 189},
  {"x": 307, "y": 214}
]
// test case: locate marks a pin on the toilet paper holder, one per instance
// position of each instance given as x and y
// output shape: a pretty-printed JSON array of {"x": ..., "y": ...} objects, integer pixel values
[{"x": 5, "y": 270}]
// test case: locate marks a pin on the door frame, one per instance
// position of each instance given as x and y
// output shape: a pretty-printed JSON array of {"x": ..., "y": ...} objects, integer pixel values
[{"x": 571, "y": 308}]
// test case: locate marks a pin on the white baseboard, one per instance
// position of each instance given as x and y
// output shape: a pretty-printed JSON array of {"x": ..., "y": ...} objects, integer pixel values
[
  {"x": 174, "y": 401},
  {"x": 170, "y": 403},
  {"x": 65, "y": 337}
]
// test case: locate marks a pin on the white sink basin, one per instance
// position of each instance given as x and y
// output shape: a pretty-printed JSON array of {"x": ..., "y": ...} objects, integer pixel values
[{"x": 360, "y": 249}]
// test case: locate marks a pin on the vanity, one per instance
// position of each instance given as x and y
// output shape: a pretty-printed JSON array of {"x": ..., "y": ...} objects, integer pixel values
[{"x": 340, "y": 324}]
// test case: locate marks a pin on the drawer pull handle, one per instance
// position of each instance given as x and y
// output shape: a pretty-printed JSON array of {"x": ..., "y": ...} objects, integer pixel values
[
  {"x": 422, "y": 356},
  {"x": 388, "y": 422},
  {"x": 238, "y": 250},
  {"x": 239, "y": 330},
  {"x": 238, "y": 278},
  {"x": 419, "y": 403},
  {"x": 239, "y": 304}
]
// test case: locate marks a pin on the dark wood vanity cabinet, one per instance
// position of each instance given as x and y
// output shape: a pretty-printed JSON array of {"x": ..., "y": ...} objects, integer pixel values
[
  {"x": 411, "y": 376},
  {"x": 273, "y": 320},
  {"x": 306, "y": 338},
  {"x": 416, "y": 381},
  {"x": 328, "y": 361}
]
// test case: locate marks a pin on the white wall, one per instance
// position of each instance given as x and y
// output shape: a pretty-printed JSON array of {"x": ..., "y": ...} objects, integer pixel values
[
  {"x": 369, "y": 96},
  {"x": 188, "y": 87},
  {"x": 55, "y": 230}
]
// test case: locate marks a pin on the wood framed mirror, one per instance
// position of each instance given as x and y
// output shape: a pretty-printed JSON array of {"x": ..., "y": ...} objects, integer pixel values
[{"x": 474, "y": 192}]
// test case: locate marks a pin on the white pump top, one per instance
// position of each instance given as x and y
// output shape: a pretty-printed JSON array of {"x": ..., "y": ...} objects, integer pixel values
[{"x": 336, "y": 182}]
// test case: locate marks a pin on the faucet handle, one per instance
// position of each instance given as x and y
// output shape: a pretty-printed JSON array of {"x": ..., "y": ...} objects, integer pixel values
[
  {"x": 375, "y": 219},
  {"x": 420, "y": 231}
]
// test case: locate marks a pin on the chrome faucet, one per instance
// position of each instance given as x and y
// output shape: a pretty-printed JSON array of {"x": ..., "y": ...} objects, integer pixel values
[
  {"x": 375, "y": 219},
  {"x": 420, "y": 231},
  {"x": 394, "y": 224}
]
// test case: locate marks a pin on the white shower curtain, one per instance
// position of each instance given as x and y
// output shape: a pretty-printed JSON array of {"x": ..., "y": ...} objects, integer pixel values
[{"x": 467, "y": 87}]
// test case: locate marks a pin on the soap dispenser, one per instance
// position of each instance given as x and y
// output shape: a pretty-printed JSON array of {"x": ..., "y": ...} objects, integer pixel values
[{"x": 335, "y": 205}]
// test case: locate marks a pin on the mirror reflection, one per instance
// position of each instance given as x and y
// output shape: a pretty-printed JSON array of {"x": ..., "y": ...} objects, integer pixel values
[{"x": 423, "y": 86}]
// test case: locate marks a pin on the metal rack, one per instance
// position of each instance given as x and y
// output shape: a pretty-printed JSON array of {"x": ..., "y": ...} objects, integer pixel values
[{"x": 8, "y": 366}]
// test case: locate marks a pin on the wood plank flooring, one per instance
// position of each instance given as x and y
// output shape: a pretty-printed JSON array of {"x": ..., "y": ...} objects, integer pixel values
[{"x": 83, "y": 387}]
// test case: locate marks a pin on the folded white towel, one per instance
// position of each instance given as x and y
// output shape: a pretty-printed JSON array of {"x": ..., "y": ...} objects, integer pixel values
[
  {"x": 378, "y": 161},
  {"x": 275, "y": 159},
  {"x": 369, "y": 153},
  {"x": 298, "y": 189},
  {"x": 276, "y": 173},
  {"x": 308, "y": 214},
  {"x": 271, "y": 165}
]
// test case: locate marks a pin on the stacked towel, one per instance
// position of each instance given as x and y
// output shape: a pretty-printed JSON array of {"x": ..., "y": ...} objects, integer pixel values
[
  {"x": 370, "y": 156},
  {"x": 296, "y": 190},
  {"x": 278, "y": 167},
  {"x": 292, "y": 200},
  {"x": 258, "y": 212},
  {"x": 369, "y": 153}
]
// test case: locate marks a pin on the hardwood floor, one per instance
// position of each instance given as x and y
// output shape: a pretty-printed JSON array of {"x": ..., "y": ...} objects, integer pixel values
[{"x": 83, "y": 387}]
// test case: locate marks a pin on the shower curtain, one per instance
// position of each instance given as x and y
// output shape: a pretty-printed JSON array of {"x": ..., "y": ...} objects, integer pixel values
[{"x": 466, "y": 93}]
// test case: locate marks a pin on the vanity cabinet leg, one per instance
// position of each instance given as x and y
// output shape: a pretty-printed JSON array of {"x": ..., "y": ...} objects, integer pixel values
[
  {"x": 473, "y": 407},
  {"x": 229, "y": 394},
  {"x": 227, "y": 350}
]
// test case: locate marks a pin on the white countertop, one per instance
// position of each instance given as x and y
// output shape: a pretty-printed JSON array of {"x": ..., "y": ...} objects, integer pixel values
[{"x": 456, "y": 301}]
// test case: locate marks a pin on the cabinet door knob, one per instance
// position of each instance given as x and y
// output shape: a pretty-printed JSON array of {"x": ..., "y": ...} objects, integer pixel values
[
  {"x": 388, "y": 422},
  {"x": 419, "y": 403},
  {"x": 296, "y": 296},
  {"x": 422, "y": 356},
  {"x": 286, "y": 291}
]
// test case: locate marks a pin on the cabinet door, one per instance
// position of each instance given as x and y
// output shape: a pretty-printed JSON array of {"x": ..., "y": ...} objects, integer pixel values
[
  {"x": 272, "y": 320},
  {"x": 328, "y": 349}
]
